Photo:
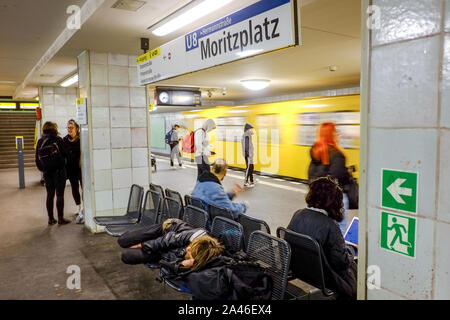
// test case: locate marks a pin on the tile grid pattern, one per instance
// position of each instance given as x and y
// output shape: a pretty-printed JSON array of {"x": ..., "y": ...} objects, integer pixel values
[
  {"x": 409, "y": 124},
  {"x": 59, "y": 105},
  {"x": 119, "y": 131}
]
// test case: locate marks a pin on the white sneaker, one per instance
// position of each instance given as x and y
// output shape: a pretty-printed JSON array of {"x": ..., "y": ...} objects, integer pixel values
[{"x": 80, "y": 218}]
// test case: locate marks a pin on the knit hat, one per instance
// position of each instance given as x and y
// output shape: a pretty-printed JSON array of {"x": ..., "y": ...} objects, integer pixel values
[{"x": 248, "y": 126}]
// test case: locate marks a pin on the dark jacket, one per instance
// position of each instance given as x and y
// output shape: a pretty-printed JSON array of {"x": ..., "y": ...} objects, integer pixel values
[
  {"x": 223, "y": 278},
  {"x": 336, "y": 168},
  {"x": 171, "y": 246},
  {"x": 327, "y": 233},
  {"x": 73, "y": 155},
  {"x": 52, "y": 138}
]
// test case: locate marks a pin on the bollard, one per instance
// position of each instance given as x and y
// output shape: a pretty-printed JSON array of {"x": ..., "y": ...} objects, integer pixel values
[{"x": 19, "y": 147}]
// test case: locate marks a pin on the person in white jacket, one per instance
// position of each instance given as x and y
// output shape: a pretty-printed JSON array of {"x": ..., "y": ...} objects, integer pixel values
[{"x": 201, "y": 142}]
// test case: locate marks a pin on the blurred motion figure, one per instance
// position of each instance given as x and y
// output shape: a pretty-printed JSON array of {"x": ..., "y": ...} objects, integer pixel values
[{"x": 327, "y": 158}]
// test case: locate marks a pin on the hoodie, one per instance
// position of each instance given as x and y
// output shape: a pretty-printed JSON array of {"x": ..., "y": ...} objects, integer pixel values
[
  {"x": 247, "y": 143},
  {"x": 201, "y": 139}
]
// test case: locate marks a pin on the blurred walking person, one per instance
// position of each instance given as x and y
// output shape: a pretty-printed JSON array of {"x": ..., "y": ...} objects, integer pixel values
[
  {"x": 248, "y": 151},
  {"x": 73, "y": 167},
  {"x": 327, "y": 158},
  {"x": 51, "y": 160},
  {"x": 174, "y": 143},
  {"x": 202, "y": 151}
]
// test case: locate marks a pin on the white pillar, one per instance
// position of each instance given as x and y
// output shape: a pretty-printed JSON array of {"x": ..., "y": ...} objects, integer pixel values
[
  {"x": 408, "y": 129},
  {"x": 115, "y": 147}
]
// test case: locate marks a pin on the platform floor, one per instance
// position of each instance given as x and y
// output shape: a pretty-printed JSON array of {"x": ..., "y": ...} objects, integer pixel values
[{"x": 35, "y": 257}]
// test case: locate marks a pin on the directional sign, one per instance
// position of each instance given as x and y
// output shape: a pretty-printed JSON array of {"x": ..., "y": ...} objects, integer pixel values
[
  {"x": 399, "y": 190},
  {"x": 398, "y": 234}
]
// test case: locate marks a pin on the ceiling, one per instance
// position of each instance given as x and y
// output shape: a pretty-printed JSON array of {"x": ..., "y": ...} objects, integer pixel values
[{"x": 330, "y": 36}]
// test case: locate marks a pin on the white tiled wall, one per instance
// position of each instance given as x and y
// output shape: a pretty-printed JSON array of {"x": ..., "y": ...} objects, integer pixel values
[
  {"x": 59, "y": 106},
  {"x": 118, "y": 121},
  {"x": 409, "y": 130},
  {"x": 403, "y": 19}
]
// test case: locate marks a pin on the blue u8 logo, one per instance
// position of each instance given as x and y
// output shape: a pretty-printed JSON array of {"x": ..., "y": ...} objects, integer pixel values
[{"x": 191, "y": 41}]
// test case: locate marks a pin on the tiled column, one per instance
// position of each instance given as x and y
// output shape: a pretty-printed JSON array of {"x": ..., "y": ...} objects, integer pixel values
[
  {"x": 409, "y": 130},
  {"x": 117, "y": 132}
]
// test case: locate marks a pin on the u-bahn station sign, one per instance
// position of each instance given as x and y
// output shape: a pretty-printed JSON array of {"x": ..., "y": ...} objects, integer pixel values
[{"x": 264, "y": 26}]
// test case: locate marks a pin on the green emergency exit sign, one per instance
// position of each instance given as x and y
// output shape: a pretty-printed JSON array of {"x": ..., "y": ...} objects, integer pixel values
[
  {"x": 398, "y": 234},
  {"x": 399, "y": 190}
]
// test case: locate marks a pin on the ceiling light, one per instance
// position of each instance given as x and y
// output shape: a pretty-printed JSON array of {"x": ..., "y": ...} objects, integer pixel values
[
  {"x": 255, "y": 84},
  {"x": 201, "y": 9},
  {"x": 70, "y": 81},
  {"x": 247, "y": 53},
  {"x": 129, "y": 5}
]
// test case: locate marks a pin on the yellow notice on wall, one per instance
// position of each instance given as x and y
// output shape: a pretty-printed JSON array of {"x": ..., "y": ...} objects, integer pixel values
[
  {"x": 148, "y": 55},
  {"x": 23, "y": 144}
]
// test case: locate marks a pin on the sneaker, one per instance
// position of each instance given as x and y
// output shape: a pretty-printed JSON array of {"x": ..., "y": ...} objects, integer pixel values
[
  {"x": 51, "y": 222},
  {"x": 246, "y": 184},
  {"x": 80, "y": 218},
  {"x": 251, "y": 185}
]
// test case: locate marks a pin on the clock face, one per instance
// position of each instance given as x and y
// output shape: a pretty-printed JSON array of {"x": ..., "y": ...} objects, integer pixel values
[{"x": 164, "y": 97}]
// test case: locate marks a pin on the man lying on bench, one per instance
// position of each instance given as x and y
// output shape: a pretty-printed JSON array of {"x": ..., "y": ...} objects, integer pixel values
[{"x": 172, "y": 240}]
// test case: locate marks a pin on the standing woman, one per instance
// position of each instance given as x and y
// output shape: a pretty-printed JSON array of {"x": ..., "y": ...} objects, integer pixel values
[
  {"x": 72, "y": 143},
  {"x": 327, "y": 158},
  {"x": 51, "y": 159},
  {"x": 247, "y": 151}
]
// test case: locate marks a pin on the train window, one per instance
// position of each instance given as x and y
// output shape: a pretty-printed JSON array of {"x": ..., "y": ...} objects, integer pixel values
[
  {"x": 268, "y": 128},
  {"x": 347, "y": 126},
  {"x": 230, "y": 128}
]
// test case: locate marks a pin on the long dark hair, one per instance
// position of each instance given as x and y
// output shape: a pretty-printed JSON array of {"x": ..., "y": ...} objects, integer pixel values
[{"x": 325, "y": 193}]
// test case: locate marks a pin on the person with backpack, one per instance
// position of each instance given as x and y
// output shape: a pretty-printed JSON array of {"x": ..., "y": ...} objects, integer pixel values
[
  {"x": 327, "y": 158},
  {"x": 247, "y": 151},
  {"x": 174, "y": 142},
  {"x": 202, "y": 147},
  {"x": 73, "y": 168},
  {"x": 51, "y": 158}
]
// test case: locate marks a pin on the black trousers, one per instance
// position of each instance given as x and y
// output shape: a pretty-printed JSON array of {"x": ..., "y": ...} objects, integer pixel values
[
  {"x": 131, "y": 238},
  {"x": 55, "y": 182},
  {"x": 75, "y": 183},
  {"x": 202, "y": 165},
  {"x": 249, "y": 171}
]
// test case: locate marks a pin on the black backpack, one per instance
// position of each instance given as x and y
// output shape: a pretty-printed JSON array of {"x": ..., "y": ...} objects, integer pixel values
[
  {"x": 50, "y": 156},
  {"x": 249, "y": 281}
]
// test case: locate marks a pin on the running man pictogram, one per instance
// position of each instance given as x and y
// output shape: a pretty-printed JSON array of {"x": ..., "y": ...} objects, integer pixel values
[{"x": 398, "y": 233}]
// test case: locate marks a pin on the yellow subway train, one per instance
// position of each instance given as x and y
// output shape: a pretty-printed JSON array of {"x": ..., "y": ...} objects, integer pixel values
[{"x": 284, "y": 132}]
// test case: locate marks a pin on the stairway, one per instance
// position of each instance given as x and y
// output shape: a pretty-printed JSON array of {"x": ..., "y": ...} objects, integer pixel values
[{"x": 12, "y": 124}]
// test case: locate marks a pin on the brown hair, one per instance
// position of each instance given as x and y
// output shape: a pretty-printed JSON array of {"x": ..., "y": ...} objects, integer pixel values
[
  {"x": 77, "y": 128},
  {"x": 219, "y": 166},
  {"x": 203, "y": 249},
  {"x": 325, "y": 193},
  {"x": 50, "y": 127},
  {"x": 168, "y": 223}
]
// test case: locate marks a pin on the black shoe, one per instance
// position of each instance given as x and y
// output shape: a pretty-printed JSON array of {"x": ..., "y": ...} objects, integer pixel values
[
  {"x": 63, "y": 221},
  {"x": 51, "y": 221}
]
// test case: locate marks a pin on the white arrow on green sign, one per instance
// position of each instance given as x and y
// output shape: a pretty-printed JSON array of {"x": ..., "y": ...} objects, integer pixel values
[{"x": 399, "y": 190}]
